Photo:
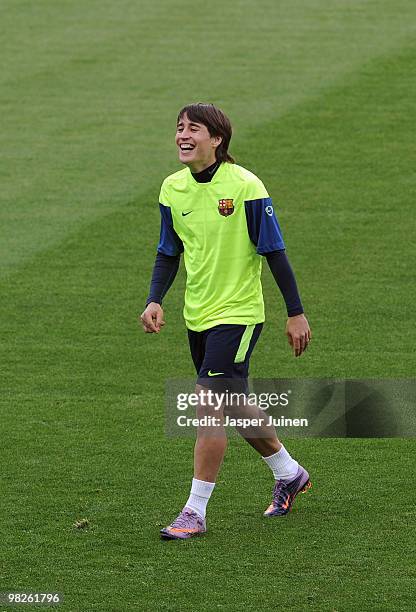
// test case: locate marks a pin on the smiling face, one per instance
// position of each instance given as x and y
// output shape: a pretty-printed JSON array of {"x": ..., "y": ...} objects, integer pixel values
[{"x": 196, "y": 147}]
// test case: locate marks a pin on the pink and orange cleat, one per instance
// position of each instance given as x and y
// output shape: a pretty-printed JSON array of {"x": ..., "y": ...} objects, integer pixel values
[
  {"x": 285, "y": 491},
  {"x": 186, "y": 525}
]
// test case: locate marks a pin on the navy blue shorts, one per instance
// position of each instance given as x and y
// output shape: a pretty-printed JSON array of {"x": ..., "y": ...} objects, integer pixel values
[{"x": 223, "y": 351}]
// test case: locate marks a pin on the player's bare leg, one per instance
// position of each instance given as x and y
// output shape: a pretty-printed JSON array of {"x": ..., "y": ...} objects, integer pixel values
[
  {"x": 261, "y": 437},
  {"x": 211, "y": 443}
]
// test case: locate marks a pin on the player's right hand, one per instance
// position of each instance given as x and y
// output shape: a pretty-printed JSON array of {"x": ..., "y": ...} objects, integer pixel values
[{"x": 152, "y": 318}]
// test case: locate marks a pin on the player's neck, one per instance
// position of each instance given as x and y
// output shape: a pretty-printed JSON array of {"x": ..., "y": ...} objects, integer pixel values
[
  {"x": 201, "y": 164},
  {"x": 206, "y": 175}
]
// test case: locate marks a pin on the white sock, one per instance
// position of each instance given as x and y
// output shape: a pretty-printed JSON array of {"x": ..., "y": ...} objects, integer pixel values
[
  {"x": 282, "y": 465},
  {"x": 200, "y": 494}
]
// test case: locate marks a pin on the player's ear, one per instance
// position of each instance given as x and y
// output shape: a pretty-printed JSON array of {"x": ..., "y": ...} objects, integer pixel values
[{"x": 216, "y": 141}]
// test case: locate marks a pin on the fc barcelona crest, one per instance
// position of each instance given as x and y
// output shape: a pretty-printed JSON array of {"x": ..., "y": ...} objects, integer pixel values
[{"x": 226, "y": 207}]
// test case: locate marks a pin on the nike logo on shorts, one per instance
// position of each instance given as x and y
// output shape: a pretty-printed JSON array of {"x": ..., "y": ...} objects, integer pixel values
[
  {"x": 186, "y": 213},
  {"x": 214, "y": 373}
]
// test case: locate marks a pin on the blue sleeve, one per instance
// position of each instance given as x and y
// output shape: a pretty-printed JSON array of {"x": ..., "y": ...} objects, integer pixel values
[
  {"x": 263, "y": 227},
  {"x": 285, "y": 279},
  {"x": 164, "y": 272},
  {"x": 169, "y": 242}
]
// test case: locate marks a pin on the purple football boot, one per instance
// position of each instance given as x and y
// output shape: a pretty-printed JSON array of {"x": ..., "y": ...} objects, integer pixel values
[
  {"x": 186, "y": 525},
  {"x": 285, "y": 491}
]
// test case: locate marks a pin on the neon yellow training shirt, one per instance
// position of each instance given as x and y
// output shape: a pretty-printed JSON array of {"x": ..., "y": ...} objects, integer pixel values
[{"x": 223, "y": 227}]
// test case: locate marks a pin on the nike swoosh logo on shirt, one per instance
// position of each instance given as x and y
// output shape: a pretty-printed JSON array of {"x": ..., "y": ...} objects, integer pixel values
[
  {"x": 214, "y": 373},
  {"x": 186, "y": 213}
]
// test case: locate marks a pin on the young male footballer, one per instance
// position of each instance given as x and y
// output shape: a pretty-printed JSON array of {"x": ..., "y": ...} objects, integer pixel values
[{"x": 220, "y": 216}]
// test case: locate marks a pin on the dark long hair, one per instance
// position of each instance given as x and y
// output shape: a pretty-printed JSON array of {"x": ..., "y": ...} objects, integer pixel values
[{"x": 217, "y": 124}]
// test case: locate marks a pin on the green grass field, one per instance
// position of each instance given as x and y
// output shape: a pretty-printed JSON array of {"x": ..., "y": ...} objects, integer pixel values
[{"x": 321, "y": 95}]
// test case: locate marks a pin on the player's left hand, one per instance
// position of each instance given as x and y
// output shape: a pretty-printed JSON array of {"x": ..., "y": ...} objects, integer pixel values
[{"x": 298, "y": 333}]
